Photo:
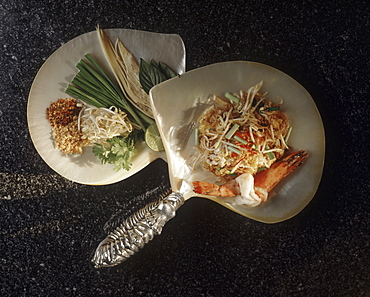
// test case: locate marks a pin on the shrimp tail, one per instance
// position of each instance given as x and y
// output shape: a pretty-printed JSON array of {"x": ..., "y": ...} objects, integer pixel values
[
  {"x": 269, "y": 178},
  {"x": 206, "y": 188},
  {"x": 229, "y": 189}
]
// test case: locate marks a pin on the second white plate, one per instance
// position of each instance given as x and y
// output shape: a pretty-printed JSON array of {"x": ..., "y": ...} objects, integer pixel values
[{"x": 193, "y": 90}]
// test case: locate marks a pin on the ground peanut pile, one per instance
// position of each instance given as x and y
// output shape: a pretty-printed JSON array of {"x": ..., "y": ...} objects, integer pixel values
[{"x": 63, "y": 118}]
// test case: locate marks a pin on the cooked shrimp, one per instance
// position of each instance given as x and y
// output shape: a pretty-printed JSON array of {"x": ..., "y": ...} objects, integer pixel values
[
  {"x": 229, "y": 189},
  {"x": 253, "y": 191}
]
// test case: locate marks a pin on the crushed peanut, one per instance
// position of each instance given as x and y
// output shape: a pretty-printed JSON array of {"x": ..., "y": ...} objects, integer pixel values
[{"x": 63, "y": 118}]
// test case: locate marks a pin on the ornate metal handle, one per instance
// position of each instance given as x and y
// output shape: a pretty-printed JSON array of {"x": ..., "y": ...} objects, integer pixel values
[{"x": 136, "y": 231}]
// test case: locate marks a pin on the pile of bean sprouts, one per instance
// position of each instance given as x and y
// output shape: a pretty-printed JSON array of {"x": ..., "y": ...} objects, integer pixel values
[{"x": 99, "y": 124}]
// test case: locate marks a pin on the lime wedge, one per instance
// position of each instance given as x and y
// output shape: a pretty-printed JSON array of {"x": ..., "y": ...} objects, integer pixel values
[{"x": 153, "y": 139}]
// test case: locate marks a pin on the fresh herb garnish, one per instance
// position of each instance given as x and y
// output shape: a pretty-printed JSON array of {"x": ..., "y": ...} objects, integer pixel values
[
  {"x": 152, "y": 74},
  {"x": 118, "y": 150},
  {"x": 167, "y": 71}
]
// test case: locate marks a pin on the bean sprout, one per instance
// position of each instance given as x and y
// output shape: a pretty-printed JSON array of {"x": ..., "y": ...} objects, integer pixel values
[{"x": 99, "y": 124}]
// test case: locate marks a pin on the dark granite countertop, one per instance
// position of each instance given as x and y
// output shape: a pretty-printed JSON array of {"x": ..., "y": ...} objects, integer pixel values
[{"x": 50, "y": 226}]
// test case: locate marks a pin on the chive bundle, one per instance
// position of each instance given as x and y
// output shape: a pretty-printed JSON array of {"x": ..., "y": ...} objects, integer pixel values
[{"x": 93, "y": 86}]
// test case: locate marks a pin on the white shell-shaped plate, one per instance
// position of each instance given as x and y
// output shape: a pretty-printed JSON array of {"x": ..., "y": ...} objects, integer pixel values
[
  {"x": 189, "y": 95},
  {"x": 59, "y": 69}
]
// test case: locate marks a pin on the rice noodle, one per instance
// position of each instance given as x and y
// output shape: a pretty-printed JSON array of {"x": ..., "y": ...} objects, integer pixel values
[{"x": 262, "y": 125}]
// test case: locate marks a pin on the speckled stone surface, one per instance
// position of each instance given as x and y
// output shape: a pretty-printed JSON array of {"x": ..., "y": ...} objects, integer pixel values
[{"x": 50, "y": 226}]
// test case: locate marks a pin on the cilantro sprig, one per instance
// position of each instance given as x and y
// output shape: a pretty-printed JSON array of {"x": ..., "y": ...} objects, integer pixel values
[{"x": 118, "y": 150}]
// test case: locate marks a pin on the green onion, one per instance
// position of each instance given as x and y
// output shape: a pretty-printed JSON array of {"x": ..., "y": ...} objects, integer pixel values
[
  {"x": 233, "y": 149},
  {"x": 240, "y": 139},
  {"x": 232, "y": 97},
  {"x": 232, "y": 131},
  {"x": 233, "y": 174},
  {"x": 271, "y": 155},
  {"x": 261, "y": 169},
  {"x": 196, "y": 135},
  {"x": 273, "y": 108},
  {"x": 144, "y": 117},
  {"x": 92, "y": 85}
]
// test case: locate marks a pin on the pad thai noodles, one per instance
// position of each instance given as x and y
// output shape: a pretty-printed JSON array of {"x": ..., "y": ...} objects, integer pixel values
[
  {"x": 240, "y": 137},
  {"x": 242, "y": 134}
]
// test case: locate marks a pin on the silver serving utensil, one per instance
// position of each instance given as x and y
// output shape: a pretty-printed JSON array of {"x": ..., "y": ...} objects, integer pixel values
[{"x": 188, "y": 96}]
